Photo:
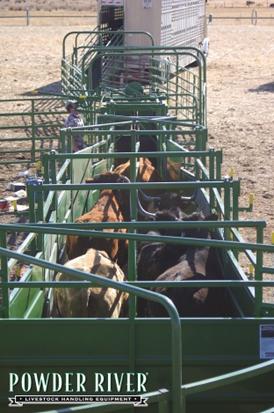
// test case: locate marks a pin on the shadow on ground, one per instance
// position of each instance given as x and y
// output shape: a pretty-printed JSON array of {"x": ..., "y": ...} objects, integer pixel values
[
  {"x": 51, "y": 89},
  {"x": 267, "y": 87}
]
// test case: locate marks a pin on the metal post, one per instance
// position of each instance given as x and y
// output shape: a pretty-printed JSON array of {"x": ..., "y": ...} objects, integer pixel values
[
  {"x": 211, "y": 177},
  {"x": 132, "y": 256},
  {"x": 227, "y": 207},
  {"x": 4, "y": 276},
  {"x": 52, "y": 175},
  {"x": 219, "y": 160},
  {"x": 32, "y": 130},
  {"x": 40, "y": 218},
  {"x": 183, "y": 400},
  {"x": 177, "y": 82},
  {"x": 32, "y": 213},
  {"x": 27, "y": 16},
  {"x": 235, "y": 200},
  {"x": 258, "y": 272},
  {"x": 235, "y": 206},
  {"x": 45, "y": 163}
]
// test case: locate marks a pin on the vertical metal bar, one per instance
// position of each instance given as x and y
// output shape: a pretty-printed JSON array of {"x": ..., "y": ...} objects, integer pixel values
[
  {"x": 45, "y": 163},
  {"x": 27, "y": 16},
  {"x": 177, "y": 82},
  {"x": 235, "y": 200},
  {"x": 219, "y": 160},
  {"x": 163, "y": 406},
  {"x": 205, "y": 138},
  {"x": 69, "y": 136},
  {"x": 40, "y": 218},
  {"x": 176, "y": 343},
  {"x": 258, "y": 271},
  {"x": 211, "y": 177},
  {"x": 52, "y": 175},
  {"x": 52, "y": 163},
  {"x": 197, "y": 170},
  {"x": 227, "y": 207},
  {"x": 4, "y": 276},
  {"x": 183, "y": 395},
  {"x": 31, "y": 200},
  {"x": 32, "y": 130},
  {"x": 235, "y": 206},
  {"x": 61, "y": 143},
  {"x": 197, "y": 139},
  {"x": 201, "y": 139},
  {"x": 132, "y": 256},
  {"x": 32, "y": 212}
]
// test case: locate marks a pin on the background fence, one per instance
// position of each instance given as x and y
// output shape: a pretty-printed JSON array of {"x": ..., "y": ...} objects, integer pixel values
[{"x": 27, "y": 18}]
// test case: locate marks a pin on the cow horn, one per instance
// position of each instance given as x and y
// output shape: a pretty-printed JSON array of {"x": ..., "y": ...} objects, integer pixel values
[
  {"x": 142, "y": 211},
  {"x": 148, "y": 198},
  {"x": 190, "y": 198}
]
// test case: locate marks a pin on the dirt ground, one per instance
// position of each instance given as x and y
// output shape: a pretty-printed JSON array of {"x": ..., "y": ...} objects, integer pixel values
[
  {"x": 240, "y": 108},
  {"x": 240, "y": 93},
  {"x": 47, "y": 5}
]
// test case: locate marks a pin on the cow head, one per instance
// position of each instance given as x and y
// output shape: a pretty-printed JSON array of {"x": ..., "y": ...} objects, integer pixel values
[
  {"x": 173, "y": 214},
  {"x": 122, "y": 196},
  {"x": 172, "y": 200},
  {"x": 198, "y": 232},
  {"x": 108, "y": 177}
]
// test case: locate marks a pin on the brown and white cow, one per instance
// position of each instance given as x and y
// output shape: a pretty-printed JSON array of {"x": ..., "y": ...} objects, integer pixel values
[{"x": 93, "y": 301}]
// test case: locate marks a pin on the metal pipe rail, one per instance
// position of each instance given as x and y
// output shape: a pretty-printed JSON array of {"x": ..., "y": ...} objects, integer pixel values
[
  {"x": 225, "y": 379},
  {"x": 143, "y": 284},
  {"x": 177, "y": 87},
  {"x": 140, "y": 224},
  {"x": 176, "y": 341},
  {"x": 110, "y": 52},
  {"x": 98, "y": 36},
  {"x": 135, "y": 185},
  {"x": 197, "y": 242},
  {"x": 160, "y": 397},
  {"x": 137, "y": 132},
  {"x": 38, "y": 123},
  {"x": 187, "y": 389},
  {"x": 213, "y": 157},
  {"x": 158, "y": 154}
]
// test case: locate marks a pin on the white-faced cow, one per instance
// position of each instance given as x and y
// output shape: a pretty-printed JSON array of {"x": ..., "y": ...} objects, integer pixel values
[{"x": 93, "y": 301}]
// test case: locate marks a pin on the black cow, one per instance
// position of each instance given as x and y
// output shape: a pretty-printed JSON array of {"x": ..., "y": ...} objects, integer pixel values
[{"x": 171, "y": 262}]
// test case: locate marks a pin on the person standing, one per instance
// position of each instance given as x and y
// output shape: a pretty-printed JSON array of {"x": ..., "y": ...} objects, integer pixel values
[{"x": 73, "y": 120}]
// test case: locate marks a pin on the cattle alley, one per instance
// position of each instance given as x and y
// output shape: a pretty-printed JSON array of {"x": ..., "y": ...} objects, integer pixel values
[{"x": 240, "y": 96}]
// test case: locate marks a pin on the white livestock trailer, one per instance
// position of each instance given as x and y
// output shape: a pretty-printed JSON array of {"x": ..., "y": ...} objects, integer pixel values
[{"x": 170, "y": 22}]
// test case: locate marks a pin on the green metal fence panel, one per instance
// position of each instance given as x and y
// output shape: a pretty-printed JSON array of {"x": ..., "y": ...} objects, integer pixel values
[{"x": 167, "y": 102}]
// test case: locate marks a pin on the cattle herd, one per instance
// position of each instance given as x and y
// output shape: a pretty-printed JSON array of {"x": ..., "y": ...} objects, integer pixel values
[{"x": 156, "y": 261}]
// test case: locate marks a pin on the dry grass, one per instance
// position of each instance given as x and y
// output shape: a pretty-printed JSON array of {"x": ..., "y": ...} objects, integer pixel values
[{"x": 49, "y": 5}]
